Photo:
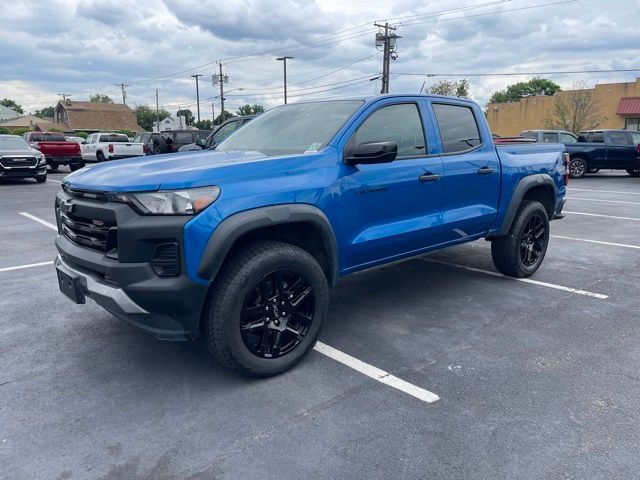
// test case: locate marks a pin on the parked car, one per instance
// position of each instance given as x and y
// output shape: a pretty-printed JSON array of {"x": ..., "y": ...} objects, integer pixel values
[
  {"x": 550, "y": 136},
  {"x": 146, "y": 139},
  {"x": 18, "y": 159},
  {"x": 99, "y": 147},
  {"x": 56, "y": 149},
  {"x": 171, "y": 140},
  {"x": 218, "y": 135},
  {"x": 610, "y": 149},
  {"x": 239, "y": 244}
]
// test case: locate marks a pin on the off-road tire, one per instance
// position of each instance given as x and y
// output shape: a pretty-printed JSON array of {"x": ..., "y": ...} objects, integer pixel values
[
  {"x": 41, "y": 178},
  {"x": 239, "y": 275},
  {"x": 506, "y": 250},
  {"x": 577, "y": 168}
]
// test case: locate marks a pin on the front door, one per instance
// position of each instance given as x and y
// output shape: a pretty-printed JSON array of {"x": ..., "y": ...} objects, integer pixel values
[
  {"x": 392, "y": 209},
  {"x": 471, "y": 180}
]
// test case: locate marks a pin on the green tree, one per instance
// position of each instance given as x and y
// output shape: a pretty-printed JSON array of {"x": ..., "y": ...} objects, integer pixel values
[
  {"x": 146, "y": 116},
  {"x": 250, "y": 110},
  {"x": 81, "y": 134},
  {"x": 20, "y": 131},
  {"x": 100, "y": 98},
  {"x": 188, "y": 114},
  {"x": 450, "y": 88},
  {"x": 7, "y": 102},
  {"x": 576, "y": 110},
  {"x": 46, "y": 112},
  {"x": 4, "y": 131},
  {"x": 204, "y": 125},
  {"x": 535, "y": 86},
  {"x": 227, "y": 116}
]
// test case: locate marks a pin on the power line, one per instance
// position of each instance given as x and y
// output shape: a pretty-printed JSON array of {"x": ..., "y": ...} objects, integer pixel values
[{"x": 513, "y": 74}]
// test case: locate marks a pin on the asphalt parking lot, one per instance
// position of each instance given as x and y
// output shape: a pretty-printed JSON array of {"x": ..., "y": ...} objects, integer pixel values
[{"x": 533, "y": 379}]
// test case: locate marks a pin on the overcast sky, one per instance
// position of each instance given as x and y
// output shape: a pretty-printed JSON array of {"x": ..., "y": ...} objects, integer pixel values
[{"x": 84, "y": 46}]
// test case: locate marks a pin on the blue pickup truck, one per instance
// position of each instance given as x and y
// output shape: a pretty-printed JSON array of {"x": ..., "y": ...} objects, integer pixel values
[{"x": 239, "y": 246}]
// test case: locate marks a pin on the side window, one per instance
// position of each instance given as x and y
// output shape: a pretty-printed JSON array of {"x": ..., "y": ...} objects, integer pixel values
[
  {"x": 184, "y": 137},
  {"x": 635, "y": 138},
  {"x": 618, "y": 138},
  {"x": 549, "y": 138},
  {"x": 597, "y": 137},
  {"x": 567, "y": 138},
  {"x": 458, "y": 127},
  {"x": 223, "y": 132},
  {"x": 395, "y": 123}
]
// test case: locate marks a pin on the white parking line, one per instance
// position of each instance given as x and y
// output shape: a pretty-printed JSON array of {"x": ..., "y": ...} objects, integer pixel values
[
  {"x": 52, "y": 180},
  {"x": 603, "y": 191},
  {"x": 376, "y": 373},
  {"x": 604, "y": 201},
  {"x": 39, "y": 220},
  {"x": 597, "y": 241},
  {"x": 20, "y": 267},
  {"x": 523, "y": 280},
  {"x": 604, "y": 216}
]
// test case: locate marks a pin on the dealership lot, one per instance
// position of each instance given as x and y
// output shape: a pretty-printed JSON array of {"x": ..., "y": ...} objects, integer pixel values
[{"x": 530, "y": 379}]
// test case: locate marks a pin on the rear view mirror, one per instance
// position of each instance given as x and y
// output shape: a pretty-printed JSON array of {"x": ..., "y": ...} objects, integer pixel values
[
  {"x": 373, "y": 152},
  {"x": 201, "y": 142}
]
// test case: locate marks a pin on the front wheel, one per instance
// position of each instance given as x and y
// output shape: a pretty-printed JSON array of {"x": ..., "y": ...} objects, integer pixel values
[
  {"x": 577, "y": 168},
  {"x": 41, "y": 178},
  {"x": 100, "y": 157},
  {"x": 521, "y": 251},
  {"x": 633, "y": 173},
  {"x": 266, "y": 309},
  {"x": 76, "y": 166},
  {"x": 54, "y": 165}
]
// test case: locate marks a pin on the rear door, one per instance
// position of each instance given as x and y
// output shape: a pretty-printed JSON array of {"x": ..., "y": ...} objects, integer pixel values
[
  {"x": 471, "y": 179},
  {"x": 620, "y": 152}
]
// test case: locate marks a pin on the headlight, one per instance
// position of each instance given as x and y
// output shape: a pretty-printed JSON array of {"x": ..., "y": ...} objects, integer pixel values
[
  {"x": 175, "y": 202},
  {"x": 41, "y": 160}
]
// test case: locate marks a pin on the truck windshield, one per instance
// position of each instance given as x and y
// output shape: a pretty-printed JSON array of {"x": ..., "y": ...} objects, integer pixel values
[
  {"x": 292, "y": 129},
  {"x": 12, "y": 142},
  {"x": 47, "y": 137}
]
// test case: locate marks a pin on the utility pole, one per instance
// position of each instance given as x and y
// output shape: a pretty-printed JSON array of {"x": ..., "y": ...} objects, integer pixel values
[
  {"x": 213, "y": 114},
  {"x": 284, "y": 60},
  {"x": 221, "y": 79},
  {"x": 387, "y": 40},
  {"x": 124, "y": 94},
  {"x": 64, "y": 96},
  {"x": 197, "y": 94},
  {"x": 157, "y": 112}
]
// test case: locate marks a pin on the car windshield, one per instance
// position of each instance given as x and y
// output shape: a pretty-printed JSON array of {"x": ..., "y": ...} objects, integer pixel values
[
  {"x": 13, "y": 142},
  {"x": 292, "y": 129}
]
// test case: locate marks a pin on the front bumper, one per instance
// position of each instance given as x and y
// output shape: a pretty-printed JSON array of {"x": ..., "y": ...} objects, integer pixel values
[
  {"x": 23, "y": 172},
  {"x": 126, "y": 284}
]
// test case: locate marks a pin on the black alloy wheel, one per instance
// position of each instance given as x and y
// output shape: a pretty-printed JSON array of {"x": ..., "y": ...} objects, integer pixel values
[
  {"x": 533, "y": 240},
  {"x": 577, "y": 168},
  {"x": 277, "y": 313}
]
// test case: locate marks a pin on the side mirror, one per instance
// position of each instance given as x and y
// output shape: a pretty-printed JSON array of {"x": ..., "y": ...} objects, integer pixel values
[
  {"x": 373, "y": 152},
  {"x": 201, "y": 142}
]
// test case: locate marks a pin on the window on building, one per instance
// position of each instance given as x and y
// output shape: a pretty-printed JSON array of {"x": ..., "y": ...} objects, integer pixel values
[{"x": 632, "y": 124}]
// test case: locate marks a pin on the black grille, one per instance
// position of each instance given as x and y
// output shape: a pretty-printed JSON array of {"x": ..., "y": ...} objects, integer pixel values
[
  {"x": 85, "y": 193},
  {"x": 16, "y": 161},
  {"x": 166, "y": 260},
  {"x": 96, "y": 234}
]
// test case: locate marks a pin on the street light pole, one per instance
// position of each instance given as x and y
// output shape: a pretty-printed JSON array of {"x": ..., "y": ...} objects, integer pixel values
[
  {"x": 284, "y": 60},
  {"x": 197, "y": 94}
]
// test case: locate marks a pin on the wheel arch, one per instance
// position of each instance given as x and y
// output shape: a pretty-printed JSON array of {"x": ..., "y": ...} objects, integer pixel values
[
  {"x": 299, "y": 224},
  {"x": 539, "y": 187}
]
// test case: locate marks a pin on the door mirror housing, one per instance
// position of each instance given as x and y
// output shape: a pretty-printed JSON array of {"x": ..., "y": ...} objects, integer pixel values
[
  {"x": 372, "y": 152},
  {"x": 201, "y": 142}
]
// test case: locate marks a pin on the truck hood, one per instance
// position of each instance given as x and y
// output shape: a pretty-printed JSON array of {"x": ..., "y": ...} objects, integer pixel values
[
  {"x": 171, "y": 171},
  {"x": 20, "y": 152}
]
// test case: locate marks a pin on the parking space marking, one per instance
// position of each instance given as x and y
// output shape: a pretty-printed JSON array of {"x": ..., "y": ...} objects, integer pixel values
[
  {"x": 52, "y": 180},
  {"x": 39, "y": 220},
  {"x": 523, "y": 280},
  {"x": 604, "y": 216},
  {"x": 603, "y": 191},
  {"x": 604, "y": 201},
  {"x": 624, "y": 245},
  {"x": 20, "y": 267},
  {"x": 376, "y": 373}
]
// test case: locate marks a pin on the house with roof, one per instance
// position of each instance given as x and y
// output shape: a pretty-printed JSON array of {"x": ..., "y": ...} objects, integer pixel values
[
  {"x": 72, "y": 116},
  {"x": 7, "y": 113},
  {"x": 30, "y": 122}
]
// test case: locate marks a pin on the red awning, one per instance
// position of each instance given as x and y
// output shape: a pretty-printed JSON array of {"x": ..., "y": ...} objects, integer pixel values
[{"x": 629, "y": 106}]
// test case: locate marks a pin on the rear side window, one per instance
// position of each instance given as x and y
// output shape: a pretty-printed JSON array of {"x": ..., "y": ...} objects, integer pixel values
[
  {"x": 549, "y": 138},
  {"x": 184, "y": 137},
  {"x": 567, "y": 138},
  {"x": 47, "y": 137},
  {"x": 533, "y": 135},
  {"x": 618, "y": 138},
  {"x": 635, "y": 138},
  {"x": 458, "y": 127},
  {"x": 395, "y": 123},
  {"x": 117, "y": 138}
]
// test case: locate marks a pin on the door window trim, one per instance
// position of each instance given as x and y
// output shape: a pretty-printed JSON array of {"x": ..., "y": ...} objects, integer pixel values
[{"x": 461, "y": 152}]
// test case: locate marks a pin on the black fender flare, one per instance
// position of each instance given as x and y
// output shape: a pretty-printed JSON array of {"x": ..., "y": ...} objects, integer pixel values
[
  {"x": 233, "y": 227},
  {"x": 524, "y": 185}
]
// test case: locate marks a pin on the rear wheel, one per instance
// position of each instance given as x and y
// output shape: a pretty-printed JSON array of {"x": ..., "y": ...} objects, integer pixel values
[
  {"x": 76, "y": 166},
  {"x": 577, "y": 168},
  {"x": 266, "y": 309},
  {"x": 100, "y": 157},
  {"x": 521, "y": 251},
  {"x": 41, "y": 178},
  {"x": 54, "y": 165},
  {"x": 633, "y": 173}
]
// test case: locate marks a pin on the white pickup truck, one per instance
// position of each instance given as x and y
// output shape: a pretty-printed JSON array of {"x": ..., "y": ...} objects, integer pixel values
[{"x": 99, "y": 147}]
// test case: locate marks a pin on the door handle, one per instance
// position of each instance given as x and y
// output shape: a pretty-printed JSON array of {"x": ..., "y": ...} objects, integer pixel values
[
  {"x": 428, "y": 177},
  {"x": 485, "y": 171}
]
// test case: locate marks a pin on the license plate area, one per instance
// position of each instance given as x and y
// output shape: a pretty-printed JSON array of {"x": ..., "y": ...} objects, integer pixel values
[{"x": 70, "y": 285}]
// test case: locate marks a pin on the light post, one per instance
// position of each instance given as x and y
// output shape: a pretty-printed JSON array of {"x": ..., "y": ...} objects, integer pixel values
[
  {"x": 197, "y": 94},
  {"x": 284, "y": 60}
]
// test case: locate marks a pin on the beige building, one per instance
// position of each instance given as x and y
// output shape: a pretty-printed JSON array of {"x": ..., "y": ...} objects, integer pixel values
[{"x": 620, "y": 109}]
